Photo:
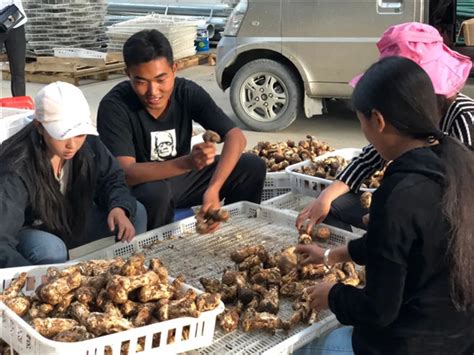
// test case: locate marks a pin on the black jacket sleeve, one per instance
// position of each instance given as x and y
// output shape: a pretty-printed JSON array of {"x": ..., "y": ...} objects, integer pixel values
[
  {"x": 111, "y": 190},
  {"x": 358, "y": 250},
  {"x": 13, "y": 202},
  {"x": 388, "y": 242}
]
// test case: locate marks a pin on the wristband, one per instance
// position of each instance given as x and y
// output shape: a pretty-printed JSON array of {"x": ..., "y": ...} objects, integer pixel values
[{"x": 326, "y": 259}]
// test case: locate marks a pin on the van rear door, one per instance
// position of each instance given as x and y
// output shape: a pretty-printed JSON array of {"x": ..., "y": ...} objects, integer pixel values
[{"x": 331, "y": 41}]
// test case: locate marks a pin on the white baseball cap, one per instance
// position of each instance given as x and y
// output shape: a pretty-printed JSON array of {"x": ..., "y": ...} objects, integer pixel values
[{"x": 63, "y": 111}]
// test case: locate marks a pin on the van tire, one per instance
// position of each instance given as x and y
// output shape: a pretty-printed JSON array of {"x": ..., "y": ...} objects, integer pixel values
[{"x": 249, "y": 107}]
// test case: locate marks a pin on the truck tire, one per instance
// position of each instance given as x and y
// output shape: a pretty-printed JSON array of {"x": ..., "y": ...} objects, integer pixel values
[{"x": 265, "y": 95}]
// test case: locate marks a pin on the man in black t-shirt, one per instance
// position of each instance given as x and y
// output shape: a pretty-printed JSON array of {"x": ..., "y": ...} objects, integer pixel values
[{"x": 146, "y": 122}]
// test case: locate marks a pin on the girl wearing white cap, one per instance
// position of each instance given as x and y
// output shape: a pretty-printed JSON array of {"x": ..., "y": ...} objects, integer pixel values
[{"x": 59, "y": 186}]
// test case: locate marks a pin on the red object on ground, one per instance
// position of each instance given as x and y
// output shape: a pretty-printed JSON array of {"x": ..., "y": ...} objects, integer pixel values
[{"x": 22, "y": 102}]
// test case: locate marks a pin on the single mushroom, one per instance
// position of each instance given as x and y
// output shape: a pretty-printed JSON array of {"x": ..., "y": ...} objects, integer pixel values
[{"x": 211, "y": 137}]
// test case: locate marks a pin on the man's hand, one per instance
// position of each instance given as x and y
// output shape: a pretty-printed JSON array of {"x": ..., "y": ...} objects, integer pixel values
[
  {"x": 211, "y": 200},
  {"x": 319, "y": 295},
  {"x": 118, "y": 219},
  {"x": 202, "y": 155},
  {"x": 311, "y": 254}
]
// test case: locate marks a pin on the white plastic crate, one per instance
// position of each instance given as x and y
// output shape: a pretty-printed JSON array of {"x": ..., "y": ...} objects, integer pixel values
[
  {"x": 291, "y": 202},
  {"x": 183, "y": 251},
  {"x": 276, "y": 184},
  {"x": 311, "y": 185},
  {"x": 25, "y": 340},
  {"x": 13, "y": 120}
]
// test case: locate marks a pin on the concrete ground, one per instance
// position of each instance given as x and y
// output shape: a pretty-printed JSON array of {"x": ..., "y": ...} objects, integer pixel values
[{"x": 339, "y": 127}]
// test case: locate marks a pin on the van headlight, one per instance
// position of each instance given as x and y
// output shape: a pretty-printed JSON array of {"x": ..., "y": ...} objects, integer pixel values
[{"x": 235, "y": 19}]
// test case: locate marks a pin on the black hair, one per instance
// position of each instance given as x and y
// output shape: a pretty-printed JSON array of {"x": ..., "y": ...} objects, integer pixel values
[
  {"x": 402, "y": 92},
  {"x": 407, "y": 102},
  {"x": 26, "y": 154},
  {"x": 145, "y": 46}
]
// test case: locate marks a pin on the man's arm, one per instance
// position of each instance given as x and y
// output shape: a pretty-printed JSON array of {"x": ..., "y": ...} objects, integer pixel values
[
  {"x": 116, "y": 132},
  {"x": 234, "y": 144},
  {"x": 202, "y": 155},
  {"x": 139, "y": 173}
]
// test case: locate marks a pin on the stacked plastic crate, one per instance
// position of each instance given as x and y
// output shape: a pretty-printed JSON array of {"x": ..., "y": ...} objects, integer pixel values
[
  {"x": 65, "y": 23},
  {"x": 180, "y": 31}
]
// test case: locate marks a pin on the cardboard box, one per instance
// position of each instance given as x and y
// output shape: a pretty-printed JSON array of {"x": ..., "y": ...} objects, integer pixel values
[{"x": 467, "y": 28}]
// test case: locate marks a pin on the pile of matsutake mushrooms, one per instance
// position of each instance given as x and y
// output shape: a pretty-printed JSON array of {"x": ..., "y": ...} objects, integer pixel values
[
  {"x": 278, "y": 156},
  {"x": 100, "y": 297},
  {"x": 253, "y": 288}
]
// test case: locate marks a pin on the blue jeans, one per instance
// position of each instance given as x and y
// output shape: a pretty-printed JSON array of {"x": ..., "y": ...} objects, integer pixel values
[
  {"x": 336, "y": 342},
  {"x": 41, "y": 247}
]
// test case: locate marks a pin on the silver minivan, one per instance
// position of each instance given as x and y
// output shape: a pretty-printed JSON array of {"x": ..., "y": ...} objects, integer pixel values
[{"x": 282, "y": 57}]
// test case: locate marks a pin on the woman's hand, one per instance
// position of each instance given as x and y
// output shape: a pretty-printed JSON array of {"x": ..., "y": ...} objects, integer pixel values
[
  {"x": 315, "y": 213},
  {"x": 311, "y": 253},
  {"x": 319, "y": 295},
  {"x": 118, "y": 219}
]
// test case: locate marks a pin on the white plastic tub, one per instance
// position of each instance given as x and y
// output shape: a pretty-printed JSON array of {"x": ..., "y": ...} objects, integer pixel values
[
  {"x": 291, "y": 202},
  {"x": 311, "y": 185},
  {"x": 25, "y": 340},
  {"x": 13, "y": 120},
  {"x": 276, "y": 184}
]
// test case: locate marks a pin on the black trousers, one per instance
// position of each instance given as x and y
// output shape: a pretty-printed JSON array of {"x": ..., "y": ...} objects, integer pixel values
[
  {"x": 15, "y": 43},
  {"x": 345, "y": 211},
  {"x": 162, "y": 197}
]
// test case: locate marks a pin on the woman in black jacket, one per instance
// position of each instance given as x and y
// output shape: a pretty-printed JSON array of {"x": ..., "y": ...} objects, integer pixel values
[
  {"x": 419, "y": 247},
  {"x": 59, "y": 186},
  {"x": 338, "y": 205}
]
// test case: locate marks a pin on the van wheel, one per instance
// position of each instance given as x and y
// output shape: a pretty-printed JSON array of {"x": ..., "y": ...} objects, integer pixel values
[{"x": 265, "y": 95}]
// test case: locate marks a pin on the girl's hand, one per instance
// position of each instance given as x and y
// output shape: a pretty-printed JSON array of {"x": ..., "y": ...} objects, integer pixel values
[
  {"x": 319, "y": 295},
  {"x": 118, "y": 219},
  {"x": 315, "y": 213},
  {"x": 311, "y": 253}
]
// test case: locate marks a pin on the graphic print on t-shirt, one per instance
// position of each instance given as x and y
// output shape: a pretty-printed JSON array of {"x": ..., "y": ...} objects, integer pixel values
[{"x": 163, "y": 145}]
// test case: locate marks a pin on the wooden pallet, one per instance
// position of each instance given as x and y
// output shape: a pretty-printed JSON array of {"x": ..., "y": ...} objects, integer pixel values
[
  {"x": 192, "y": 61},
  {"x": 46, "y": 70}
]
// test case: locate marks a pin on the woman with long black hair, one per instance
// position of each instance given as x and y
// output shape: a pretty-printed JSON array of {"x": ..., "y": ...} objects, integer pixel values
[
  {"x": 59, "y": 186},
  {"x": 339, "y": 204},
  {"x": 419, "y": 247}
]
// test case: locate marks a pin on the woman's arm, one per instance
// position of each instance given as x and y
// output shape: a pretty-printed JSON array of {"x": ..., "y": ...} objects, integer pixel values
[
  {"x": 13, "y": 202},
  {"x": 388, "y": 243},
  {"x": 112, "y": 191},
  {"x": 361, "y": 168}
]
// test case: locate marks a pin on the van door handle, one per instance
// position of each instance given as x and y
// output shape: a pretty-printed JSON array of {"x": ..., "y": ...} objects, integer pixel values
[{"x": 389, "y": 7}]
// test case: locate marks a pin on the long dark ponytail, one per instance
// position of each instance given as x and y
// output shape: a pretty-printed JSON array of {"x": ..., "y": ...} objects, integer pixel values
[
  {"x": 25, "y": 153},
  {"x": 403, "y": 93}
]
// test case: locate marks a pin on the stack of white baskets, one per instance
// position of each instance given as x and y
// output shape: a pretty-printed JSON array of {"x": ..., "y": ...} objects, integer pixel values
[
  {"x": 180, "y": 31},
  {"x": 303, "y": 188},
  {"x": 65, "y": 23}
]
